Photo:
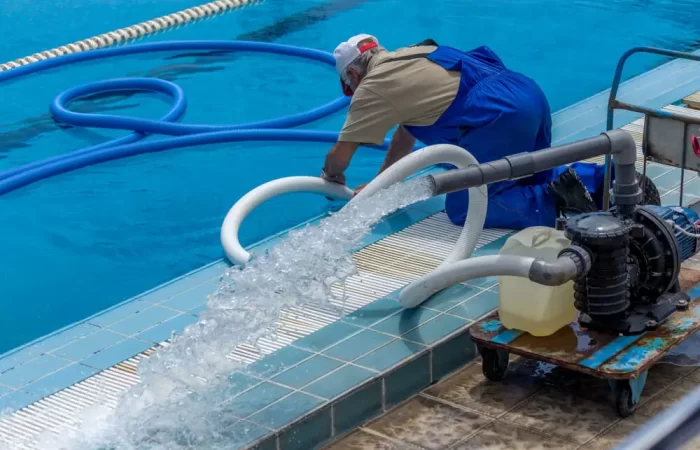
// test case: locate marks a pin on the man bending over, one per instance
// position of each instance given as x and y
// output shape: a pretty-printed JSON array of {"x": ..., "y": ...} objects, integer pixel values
[{"x": 441, "y": 95}]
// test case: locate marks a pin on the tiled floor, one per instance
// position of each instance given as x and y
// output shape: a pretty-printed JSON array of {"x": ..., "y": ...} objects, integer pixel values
[
  {"x": 373, "y": 348},
  {"x": 536, "y": 407}
]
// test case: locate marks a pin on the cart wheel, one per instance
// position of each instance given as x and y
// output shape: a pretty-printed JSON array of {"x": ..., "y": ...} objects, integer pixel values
[
  {"x": 625, "y": 404},
  {"x": 495, "y": 364}
]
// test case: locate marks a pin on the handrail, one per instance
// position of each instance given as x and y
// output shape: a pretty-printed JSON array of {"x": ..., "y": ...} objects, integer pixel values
[
  {"x": 133, "y": 32},
  {"x": 614, "y": 103}
]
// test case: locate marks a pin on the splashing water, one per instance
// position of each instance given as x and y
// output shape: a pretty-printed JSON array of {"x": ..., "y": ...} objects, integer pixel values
[{"x": 183, "y": 401}]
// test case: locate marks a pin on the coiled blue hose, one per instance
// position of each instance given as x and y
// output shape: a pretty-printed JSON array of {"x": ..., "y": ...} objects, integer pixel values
[{"x": 185, "y": 135}]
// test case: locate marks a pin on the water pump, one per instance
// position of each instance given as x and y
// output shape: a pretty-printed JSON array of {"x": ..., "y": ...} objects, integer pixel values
[
  {"x": 632, "y": 285},
  {"x": 624, "y": 261}
]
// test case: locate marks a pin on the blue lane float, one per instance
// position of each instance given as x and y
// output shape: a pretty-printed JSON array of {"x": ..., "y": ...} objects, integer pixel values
[{"x": 185, "y": 135}]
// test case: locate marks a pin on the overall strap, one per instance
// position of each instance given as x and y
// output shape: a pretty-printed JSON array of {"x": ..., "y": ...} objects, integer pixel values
[{"x": 427, "y": 42}]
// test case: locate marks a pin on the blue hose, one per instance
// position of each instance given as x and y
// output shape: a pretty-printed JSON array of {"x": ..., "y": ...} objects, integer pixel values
[{"x": 185, "y": 135}]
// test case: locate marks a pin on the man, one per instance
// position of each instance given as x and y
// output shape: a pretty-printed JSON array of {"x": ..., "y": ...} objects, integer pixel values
[{"x": 437, "y": 94}]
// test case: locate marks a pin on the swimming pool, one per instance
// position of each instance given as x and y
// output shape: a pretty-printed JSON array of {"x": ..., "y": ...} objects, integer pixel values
[{"x": 76, "y": 244}]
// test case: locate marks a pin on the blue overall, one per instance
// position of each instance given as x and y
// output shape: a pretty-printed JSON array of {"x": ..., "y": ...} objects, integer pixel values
[{"x": 497, "y": 113}]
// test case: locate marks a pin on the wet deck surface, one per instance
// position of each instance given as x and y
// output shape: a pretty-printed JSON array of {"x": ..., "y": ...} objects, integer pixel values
[{"x": 537, "y": 406}]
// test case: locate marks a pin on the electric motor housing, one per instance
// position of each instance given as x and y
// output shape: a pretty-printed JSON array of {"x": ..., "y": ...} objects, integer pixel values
[
  {"x": 686, "y": 219},
  {"x": 636, "y": 260}
]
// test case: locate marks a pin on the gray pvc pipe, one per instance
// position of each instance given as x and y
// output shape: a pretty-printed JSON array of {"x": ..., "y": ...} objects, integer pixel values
[
  {"x": 554, "y": 273},
  {"x": 520, "y": 165},
  {"x": 547, "y": 273},
  {"x": 618, "y": 142}
]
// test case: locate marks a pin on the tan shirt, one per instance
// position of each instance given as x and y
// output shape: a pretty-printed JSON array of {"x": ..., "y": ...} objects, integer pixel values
[{"x": 408, "y": 92}]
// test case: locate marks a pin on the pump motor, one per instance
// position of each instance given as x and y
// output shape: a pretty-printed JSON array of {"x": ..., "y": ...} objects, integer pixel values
[{"x": 632, "y": 285}]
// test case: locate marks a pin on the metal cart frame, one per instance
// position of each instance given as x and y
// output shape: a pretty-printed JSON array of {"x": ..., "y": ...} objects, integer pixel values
[
  {"x": 669, "y": 138},
  {"x": 624, "y": 361}
]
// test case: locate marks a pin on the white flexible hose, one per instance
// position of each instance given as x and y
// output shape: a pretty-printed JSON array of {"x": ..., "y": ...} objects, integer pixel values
[
  {"x": 425, "y": 157},
  {"x": 428, "y": 156},
  {"x": 445, "y": 276},
  {"x": 232, "y": 223}
]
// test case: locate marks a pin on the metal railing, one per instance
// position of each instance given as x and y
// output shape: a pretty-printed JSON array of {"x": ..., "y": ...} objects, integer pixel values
[
  {"x": 670, "y": 430},
  {"x": 614, "y": 103}
]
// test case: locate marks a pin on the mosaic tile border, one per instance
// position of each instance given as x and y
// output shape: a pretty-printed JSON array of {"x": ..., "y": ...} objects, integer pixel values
[{"x": 327, "y": 383}]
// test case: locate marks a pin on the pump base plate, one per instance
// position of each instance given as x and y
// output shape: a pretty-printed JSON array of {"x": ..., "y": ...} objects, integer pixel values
[{"x": 643, "y": 317}]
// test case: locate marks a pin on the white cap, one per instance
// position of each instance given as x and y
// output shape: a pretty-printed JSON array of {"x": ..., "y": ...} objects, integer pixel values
[{"x": 347, "y": 52}]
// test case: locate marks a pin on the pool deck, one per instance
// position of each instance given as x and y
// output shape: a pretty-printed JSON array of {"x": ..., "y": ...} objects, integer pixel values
[
  {"x": 535, "y": 407},
  {"x": 325, "y": 375}
]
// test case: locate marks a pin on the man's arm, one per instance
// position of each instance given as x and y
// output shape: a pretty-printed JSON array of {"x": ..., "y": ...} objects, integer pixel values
[
  {"x": 369, "y": 119},
  {"x": 338, "y": 160},
  {"x": 402, "y": 143}
]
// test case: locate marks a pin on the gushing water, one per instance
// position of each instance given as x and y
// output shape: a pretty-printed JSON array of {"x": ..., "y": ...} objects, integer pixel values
[{"x": 182, "y": 401}]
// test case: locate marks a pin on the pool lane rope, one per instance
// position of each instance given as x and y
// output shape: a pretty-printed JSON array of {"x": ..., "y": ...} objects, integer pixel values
[
  {"x": 140, "y": 30},
  {"x": 184, "y": 135}
]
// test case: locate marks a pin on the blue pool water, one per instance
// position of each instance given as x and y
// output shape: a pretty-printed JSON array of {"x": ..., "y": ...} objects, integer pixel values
[{"x": 76, "y": 244}]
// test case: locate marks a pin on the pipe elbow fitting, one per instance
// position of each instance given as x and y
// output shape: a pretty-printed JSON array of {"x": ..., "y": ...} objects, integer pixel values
[
  {"x": 573, "y": 263},
  {"x": 622, "y": 147},
  {"x": 581, "y": 258},
  {"x": 552, "y": 273}
]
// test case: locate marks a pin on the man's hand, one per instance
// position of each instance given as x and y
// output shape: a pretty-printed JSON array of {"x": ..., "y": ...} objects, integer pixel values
[
  {"x": 340, "y": 178},
  {"x": 337, "y": 161}
]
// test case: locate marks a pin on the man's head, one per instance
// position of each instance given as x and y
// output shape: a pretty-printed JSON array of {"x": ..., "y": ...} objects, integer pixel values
[{"x": 352, "y": 58}]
